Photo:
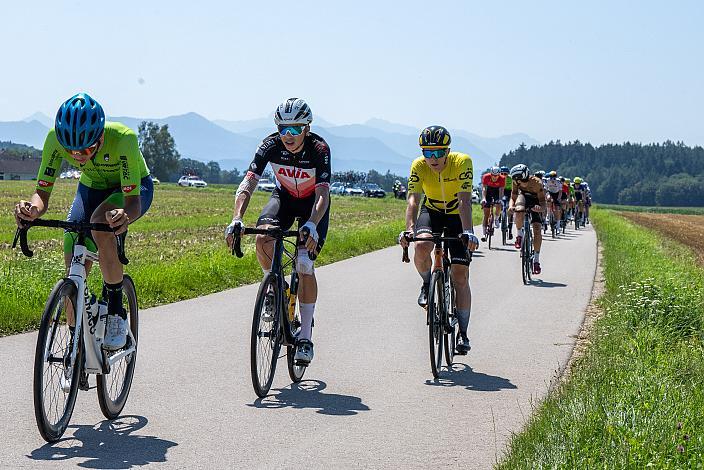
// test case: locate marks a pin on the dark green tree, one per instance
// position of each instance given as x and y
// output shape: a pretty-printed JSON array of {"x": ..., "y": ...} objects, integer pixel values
[{"x": 159, "y": 149}]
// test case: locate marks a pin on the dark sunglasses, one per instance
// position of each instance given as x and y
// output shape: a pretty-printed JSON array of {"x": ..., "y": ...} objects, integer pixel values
[
  {"x": 293, "y": 130},
  {"x": 436, "y": 153}
]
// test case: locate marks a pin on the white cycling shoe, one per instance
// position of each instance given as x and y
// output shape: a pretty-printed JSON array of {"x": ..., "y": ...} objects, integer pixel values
[
  {"x": 115, "y": 333},
  {"x": 304, "y": 352}
]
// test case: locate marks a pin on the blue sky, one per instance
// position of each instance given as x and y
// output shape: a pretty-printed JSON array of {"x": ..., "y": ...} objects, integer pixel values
[{"x": 598, "y": 71}]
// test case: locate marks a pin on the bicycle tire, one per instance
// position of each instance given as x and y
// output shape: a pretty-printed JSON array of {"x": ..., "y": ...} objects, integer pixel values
[
  {"x": 435, "y": 304},
  {"x": 295, "y": 372},
  {"x": 451, "y": 336},
  {"x": 504, "y": 229},
  {"x": 269, "y": 338},
  {"x": 111, "y": 398},
  {"x": 50, "y": 329}
]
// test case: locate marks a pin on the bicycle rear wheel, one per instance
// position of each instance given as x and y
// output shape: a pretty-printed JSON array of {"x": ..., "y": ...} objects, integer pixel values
[
  {"x": 504, "y": 229},
  {"x": 526, "y": 258},
  {"x": 114, "y": 388},
  {"x": 436, "y": 304},
  {"x": 295, "y": 371},
  {"x": 265, "y": 344},
  {"x": 53, "y": 406}
]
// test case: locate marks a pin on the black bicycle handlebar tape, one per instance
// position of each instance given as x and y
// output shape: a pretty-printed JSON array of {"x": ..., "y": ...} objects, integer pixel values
[
  {"x": 21, "y": 234},
  {"x": 237, "y": 241},
  {"x": 305, "y": 231}
]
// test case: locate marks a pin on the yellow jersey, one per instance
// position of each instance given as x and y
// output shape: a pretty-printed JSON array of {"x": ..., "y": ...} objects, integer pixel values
[{"x": 441, "y": 189}]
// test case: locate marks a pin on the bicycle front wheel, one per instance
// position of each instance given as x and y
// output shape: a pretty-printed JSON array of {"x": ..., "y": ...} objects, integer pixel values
[
  {"x": 436, "y": 306},
  {"x": 451, "y": 328},
  {"x": 55, "y": 378},
  {"x": 265, "y": 345},
  {"x": 114, "y": 388}
]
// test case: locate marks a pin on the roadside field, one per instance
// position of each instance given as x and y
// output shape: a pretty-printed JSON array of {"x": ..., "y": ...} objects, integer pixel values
[
  {"x": 654, "y": 209},
  {"x": 635, "y": 399},
  {"x": 686, "y": 229},
  {"x": 177, "y": 251}
]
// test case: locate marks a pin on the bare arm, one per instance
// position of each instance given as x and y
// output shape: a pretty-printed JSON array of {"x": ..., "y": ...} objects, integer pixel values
[
  {"x": 465, "y": 210},
  {"x": 243, "y": 195},
  {"x": 322, "y": 202},
  {"x": 412, "y": 211},
  {"x": 34, "y": 208}
]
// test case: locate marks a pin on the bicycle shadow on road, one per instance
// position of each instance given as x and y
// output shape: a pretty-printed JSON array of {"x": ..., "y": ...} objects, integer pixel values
[
  {"x": 463, "y": 375},
  {"x": 541, "y": 283},
  {"x": 109, "y": 444},
  {"x": 308, "y": 394}
]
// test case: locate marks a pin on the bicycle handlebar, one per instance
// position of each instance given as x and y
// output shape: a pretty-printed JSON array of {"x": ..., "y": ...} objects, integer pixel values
[
  {"x": 274, "y": 232},
  {"x": 435, "y": 239},
  {"x": 78, "y": 227}
]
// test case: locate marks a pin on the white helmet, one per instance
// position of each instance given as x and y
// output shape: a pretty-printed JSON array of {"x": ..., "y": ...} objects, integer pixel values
[
  {"x": 495, "y": 170},
  {"x": 520, "y": 172},
  {"x": 293, "y": 111}
]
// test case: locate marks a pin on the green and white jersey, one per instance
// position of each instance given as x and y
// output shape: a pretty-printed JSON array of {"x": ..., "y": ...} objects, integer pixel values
[{"x": 118, "y": 163}]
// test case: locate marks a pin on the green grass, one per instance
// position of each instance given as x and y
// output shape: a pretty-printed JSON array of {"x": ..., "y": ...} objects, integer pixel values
[
  {"x": 657, "y": 210},
  {"x": 177, "y": 250},
  {"x": 635, "y": 400}
]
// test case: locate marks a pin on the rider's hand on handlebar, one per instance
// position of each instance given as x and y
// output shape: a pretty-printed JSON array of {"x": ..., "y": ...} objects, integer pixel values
[
  {"x": 25, "y": 211},
  {"x": 118, "y": 220},
  {"x": 537, "y": 208},
  {"x": 470, "y": 240},
  {"x": 511, "y": 209},
  {"x": 312, "y": 240},
  {"x": 230, "y": 229},
  {"x": 403, "y": 238}
]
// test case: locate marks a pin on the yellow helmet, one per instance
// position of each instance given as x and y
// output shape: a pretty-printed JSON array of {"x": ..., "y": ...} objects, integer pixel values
[{"x": 577, "y": 180}]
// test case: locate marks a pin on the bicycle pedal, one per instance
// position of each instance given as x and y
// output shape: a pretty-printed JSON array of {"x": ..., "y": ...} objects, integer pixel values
[
  {"x": 461, "y": 353},
  {"x": 83, "y": 382},
  {"x": 300, "y": 363}
]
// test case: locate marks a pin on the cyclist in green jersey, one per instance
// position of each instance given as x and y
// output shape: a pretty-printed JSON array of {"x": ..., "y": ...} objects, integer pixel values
[{"x": 115, "y": 188}]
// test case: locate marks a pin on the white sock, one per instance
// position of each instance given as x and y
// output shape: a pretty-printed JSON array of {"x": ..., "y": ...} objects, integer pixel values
[
  {"x": 536, "y": 258},
  {"x": 520, "y": 232},
  {"x": 306, "y": 320}
]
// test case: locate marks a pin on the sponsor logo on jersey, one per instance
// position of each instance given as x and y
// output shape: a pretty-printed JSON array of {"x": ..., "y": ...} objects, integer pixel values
[
  {"x": 253, "y": 166},
  {"x": 466, "y": 185},
  {"x": 414, "y": 178},
  {"x": 45, "y": 184},
  {"x": 125, "y": 167},
  {"x": 50, "y": 172},
  {"x": 128, "y": 189},
  {"x": 466, "y": 175},
  {"x": 293, "y": 172},
  {"x": 324, "y": 175},
  {"x": 446, "y": 180},
  {"x": 106, "y": 157}
]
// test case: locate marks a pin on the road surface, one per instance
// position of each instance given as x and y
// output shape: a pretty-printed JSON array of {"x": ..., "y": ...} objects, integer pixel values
[{"x": 368, "y": 400}]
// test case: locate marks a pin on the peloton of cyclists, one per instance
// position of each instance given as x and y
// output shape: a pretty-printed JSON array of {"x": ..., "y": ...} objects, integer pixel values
[
  {"x": 553, "y": 187},
  {"x": 504, "y": 200}
]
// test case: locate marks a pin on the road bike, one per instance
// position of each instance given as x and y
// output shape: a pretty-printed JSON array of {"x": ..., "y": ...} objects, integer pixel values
[
  {"x": 276, "y": 322},
  {"x": 441, "y": 310},
  {"x": 65, "y": 356},
  {"x": 490, "y": 227},
  {"x": 527, "y": 251}
]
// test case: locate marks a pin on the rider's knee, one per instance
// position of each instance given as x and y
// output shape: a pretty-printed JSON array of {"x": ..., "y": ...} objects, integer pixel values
[{"x": 460, "y": 275}]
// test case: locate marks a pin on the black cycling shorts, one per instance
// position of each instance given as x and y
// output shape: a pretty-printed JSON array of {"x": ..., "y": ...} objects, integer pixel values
[
  {"x": 431, "y": 221},
  {"x": 578, "y": 195},
  {"x": 556, "y": 197},
  {"x": 282, "y": 210},
  {"x": 492, "y": 195},
  {"x": 531, "y": 201}
]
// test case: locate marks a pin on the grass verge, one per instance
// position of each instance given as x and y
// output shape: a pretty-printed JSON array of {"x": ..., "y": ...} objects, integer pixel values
[
  {"x": 177, "y": 250},
  {"x": 654, "y": 209},
  {"x": 635, "y": 399}
]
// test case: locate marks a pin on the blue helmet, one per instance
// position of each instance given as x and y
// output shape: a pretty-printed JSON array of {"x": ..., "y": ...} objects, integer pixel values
[
  {"x": 79, "y": 122},
  {"x": 504, "y": 169}
]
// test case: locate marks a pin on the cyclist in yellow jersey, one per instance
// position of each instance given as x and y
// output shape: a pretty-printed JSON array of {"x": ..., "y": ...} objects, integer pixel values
[
  {"x": 446, "y": 180},
  {"x": 115, "y": 188}
]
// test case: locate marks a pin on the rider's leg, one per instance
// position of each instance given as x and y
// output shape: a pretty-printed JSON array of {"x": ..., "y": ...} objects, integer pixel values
[
  {"x": 463, "y": 295},
  {"x": 486, "y": 208},
  {"x": 497, "y": 213},
  {"x": 537, "y": 240}
]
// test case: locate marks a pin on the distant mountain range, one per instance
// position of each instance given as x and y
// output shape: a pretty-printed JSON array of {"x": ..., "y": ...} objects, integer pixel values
[{"x": 376, "y": 144}]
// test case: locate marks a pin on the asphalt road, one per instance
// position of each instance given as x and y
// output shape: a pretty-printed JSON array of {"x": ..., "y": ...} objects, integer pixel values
[{"x": 368, "y": 400}]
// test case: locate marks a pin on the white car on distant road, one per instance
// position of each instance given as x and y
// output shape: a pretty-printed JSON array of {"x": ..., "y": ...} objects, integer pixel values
[
  {"x": 192, "y": 181},
  {"x": 266, "y": 185}
]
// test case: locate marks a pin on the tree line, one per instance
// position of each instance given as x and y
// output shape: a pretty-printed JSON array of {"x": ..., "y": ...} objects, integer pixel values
[{"x": 667, "y": 174}]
